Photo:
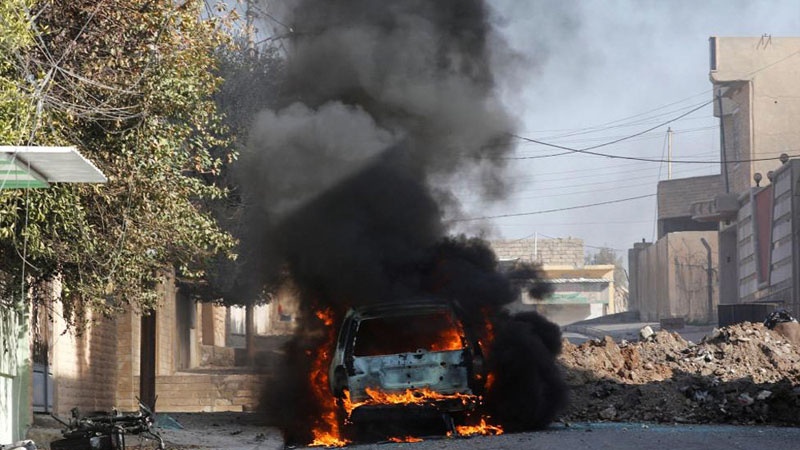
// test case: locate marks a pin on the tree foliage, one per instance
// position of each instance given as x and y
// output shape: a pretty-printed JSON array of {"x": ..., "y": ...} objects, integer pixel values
[
  {"x": 607, "y": 255},
  {"x": 131, "y": 84}
]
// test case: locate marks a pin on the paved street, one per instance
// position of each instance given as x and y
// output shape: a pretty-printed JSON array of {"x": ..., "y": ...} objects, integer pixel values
[
  {"x": 623, "y": 437},
  {"x": 591, "y": 436}
]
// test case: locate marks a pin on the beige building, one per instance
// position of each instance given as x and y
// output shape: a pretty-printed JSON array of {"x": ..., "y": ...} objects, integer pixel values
[
  {"x": 758, "y": 100},
  {"x": 757, "y": 95},
  {"x": 751, "y": 204},
  {"x": 200, "y": 357},
  {"x": 581, "y": 291},
  {"x": 676, "y": 277}
]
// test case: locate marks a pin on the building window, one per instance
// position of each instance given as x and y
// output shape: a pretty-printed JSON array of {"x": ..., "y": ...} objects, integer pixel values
[{"x": 236, "y": 319}]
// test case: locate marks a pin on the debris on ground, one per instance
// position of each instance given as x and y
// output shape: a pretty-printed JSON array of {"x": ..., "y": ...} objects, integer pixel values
[{"x": 741, "y": 374}]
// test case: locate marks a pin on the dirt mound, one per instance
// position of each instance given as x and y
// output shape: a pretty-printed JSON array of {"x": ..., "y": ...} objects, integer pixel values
[{"x": 743, "y": 373}]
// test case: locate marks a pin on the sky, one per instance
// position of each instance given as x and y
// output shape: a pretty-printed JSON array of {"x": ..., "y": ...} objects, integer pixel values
[{"x": 590, "y": 72}]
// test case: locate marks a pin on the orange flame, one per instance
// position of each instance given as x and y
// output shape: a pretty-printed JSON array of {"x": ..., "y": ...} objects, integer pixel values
[
  {"x": 411, "y": 396},
  {"x": 325, "y": 316},
  {"x": 449, "y": 339},
  {"x": 489, "y": 381},
  {"x": 407, "y": 397},
  {"x": 405, "y": 439},
  {"x": 326, "y": 430},
  {"x": 482, "y": 428}
]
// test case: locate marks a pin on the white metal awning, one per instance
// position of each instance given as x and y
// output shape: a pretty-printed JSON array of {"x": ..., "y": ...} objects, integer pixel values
[
  {"x": 37, "y": 167},
  {"x": 579, "y": 280}
]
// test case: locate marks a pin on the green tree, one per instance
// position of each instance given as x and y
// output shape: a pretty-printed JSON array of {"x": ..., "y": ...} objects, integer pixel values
[
  {"x": 131, "y": 84},
  {"x": 607, "y": 255}
]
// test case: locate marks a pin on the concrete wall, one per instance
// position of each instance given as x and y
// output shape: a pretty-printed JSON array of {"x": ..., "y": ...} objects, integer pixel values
[
  {"x": 676, "y": 196},
  {"x": 762, "y": 102},
  {"x": 559, "y": 251},
  {"x": 15, "y": 372},
  {"x": 671, "y": 277}
]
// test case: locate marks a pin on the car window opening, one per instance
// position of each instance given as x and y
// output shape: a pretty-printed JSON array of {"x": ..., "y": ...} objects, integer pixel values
[{"x": 406, "y": 334}]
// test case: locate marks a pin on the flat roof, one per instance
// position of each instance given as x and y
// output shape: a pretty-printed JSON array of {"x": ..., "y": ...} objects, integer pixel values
[{"x": 37, "y": 167}]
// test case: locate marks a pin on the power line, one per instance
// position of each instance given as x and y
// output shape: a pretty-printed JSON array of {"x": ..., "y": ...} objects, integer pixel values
[
  {"x": 641, "y": 121},
  {"x": 563, "y": 224},
  {"x": 646, "y": 136},
  {"x": 614, "y": 123},
  {"x": 587, "y": 151},
  {"x": 558, "y": 175},
  {"x": 569, "y": 182},
  {"x": 553, "y": 210}
]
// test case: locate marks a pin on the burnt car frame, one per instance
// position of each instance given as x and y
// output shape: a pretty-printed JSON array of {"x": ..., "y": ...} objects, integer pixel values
[{"x": 418, "y": 346}]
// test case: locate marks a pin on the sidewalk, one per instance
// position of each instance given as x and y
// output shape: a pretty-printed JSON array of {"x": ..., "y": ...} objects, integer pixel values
[
  {"x": 201, "y": 431},
  {"x": 233, "y": 431}
]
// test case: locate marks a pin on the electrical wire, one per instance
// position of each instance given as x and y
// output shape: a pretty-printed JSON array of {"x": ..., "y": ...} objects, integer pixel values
[
  {"x": 586, "y": 151},
  {"x": 569, "y": 183},
  {"x": 545, "y": 211}
]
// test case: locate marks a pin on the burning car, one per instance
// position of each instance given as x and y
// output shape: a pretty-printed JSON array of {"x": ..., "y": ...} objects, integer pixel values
[{"x": 415, "y": 357}]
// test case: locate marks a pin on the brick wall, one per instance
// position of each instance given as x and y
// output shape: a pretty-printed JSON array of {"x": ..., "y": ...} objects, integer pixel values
[
  {"x": 209, "y": 392},
  {"x": 213, "y": 320},
  {"x": 558, "y": 251},
  {"x": 166, "y": 337},
  {"x": 128, "y": 347},
  {"x": 98, "y": 369},
  {"x": 84, "y": 365}
]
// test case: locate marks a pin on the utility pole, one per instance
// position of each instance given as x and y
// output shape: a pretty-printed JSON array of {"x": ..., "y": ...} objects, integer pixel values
[
  {"x": 710, "y": 280},
  {"x": 669, "y": 153}
]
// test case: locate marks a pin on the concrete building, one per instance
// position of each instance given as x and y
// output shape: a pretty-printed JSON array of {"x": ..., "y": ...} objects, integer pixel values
[
  {"x": 676, "y": 276},
  {"x": 751, "y": 204},
  {"x": 758, "y": 101},
  {"x": 581, "y": 291}
]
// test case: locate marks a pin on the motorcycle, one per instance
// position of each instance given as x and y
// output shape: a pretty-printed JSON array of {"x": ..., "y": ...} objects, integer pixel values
[{"x": 107, "y": 431}]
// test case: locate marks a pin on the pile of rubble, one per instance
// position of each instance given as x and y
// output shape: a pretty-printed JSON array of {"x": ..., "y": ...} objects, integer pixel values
[{"x": 743, "y": 374}]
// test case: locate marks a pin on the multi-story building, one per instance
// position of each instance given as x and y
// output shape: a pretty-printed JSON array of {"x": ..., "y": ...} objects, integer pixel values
[{"x": 757, "y": 98}]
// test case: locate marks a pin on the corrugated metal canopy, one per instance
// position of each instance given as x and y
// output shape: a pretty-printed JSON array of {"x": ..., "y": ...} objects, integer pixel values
[{"x": 37, "y": 167}]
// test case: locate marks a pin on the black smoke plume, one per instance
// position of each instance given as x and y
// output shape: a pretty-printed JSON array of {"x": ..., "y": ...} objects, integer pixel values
[{"x": 386, "y": 104}]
